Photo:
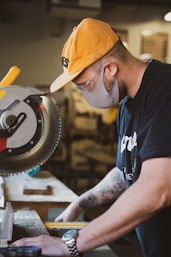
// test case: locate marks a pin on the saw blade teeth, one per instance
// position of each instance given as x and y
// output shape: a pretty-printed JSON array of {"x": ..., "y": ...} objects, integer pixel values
[{"x": 4, "y": 174}]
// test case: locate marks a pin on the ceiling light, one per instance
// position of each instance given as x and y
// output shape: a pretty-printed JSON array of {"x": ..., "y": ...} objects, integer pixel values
[{"x": 167, "y": 16}]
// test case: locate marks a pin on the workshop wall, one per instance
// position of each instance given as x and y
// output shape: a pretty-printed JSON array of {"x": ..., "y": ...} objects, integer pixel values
[{"x": 26, "y": 41}]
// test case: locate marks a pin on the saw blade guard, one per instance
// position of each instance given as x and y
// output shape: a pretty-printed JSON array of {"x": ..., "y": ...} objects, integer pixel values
[{"x": 30, "y": 128}]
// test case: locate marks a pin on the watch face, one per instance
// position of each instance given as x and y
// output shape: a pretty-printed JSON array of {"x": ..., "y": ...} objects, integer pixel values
[{"x": 69, "y": 234}]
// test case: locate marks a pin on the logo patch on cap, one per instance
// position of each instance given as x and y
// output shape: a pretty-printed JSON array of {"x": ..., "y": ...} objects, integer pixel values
[{"x": 65, "y": 62}]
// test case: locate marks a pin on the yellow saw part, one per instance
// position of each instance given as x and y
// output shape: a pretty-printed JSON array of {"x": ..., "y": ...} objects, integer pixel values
[{"x": 11, "y": 76}]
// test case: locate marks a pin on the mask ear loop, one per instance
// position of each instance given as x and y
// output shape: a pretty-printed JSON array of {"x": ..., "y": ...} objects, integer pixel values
[
  {"x": 103, "y": 77},
  {"x": 115, "y": 92},
  {"x": 115, "y": 89}
]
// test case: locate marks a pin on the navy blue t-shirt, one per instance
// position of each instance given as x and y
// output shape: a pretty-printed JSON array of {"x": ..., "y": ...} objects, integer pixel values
[{"x": 144, "y": 132}]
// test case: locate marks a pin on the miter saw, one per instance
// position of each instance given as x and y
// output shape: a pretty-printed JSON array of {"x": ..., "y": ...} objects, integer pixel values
[{"x": 30, "y": 126}]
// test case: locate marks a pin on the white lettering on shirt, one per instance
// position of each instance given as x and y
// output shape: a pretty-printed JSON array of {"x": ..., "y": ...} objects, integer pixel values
[{"x": 129, "y": 142}]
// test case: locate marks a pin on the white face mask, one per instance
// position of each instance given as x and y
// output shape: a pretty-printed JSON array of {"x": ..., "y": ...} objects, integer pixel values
[{"x": 99, "y": 97}]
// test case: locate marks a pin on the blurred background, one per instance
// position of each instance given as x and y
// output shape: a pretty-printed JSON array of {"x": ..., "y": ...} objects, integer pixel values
[
  {"x": 32, "y": 35},
  {"x": 32, "y": 32}
]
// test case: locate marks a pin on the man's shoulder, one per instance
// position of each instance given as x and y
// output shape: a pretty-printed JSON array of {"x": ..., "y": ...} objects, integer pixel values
[{"x": 158, "y": 65}]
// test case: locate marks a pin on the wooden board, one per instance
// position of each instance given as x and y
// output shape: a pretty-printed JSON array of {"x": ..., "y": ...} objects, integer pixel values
[
  {"x": 27, "y": 223},
  {"x": 60, "y": 197},
  {"x": 36, "y": 186},
  {"x": 14, "y": 189}
]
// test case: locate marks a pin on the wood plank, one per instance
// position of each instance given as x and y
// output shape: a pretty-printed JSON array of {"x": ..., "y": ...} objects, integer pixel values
[
  {"x": 60, "y": 192},
  {"x": 37, "y": 186}
]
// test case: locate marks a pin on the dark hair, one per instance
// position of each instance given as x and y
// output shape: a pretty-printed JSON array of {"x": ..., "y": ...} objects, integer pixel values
[{"x": 119, "y": 51}]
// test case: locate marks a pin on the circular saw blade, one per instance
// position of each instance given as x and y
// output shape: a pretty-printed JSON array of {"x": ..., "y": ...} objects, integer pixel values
[{"x": 38, "y": 142}]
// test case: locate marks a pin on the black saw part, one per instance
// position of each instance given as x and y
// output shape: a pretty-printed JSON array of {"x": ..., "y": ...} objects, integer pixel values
[{"x": 45, "y": 140}]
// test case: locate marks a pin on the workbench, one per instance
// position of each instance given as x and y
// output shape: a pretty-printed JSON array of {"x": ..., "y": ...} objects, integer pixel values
[
  {"x": 57, "y": 194},
  {"x": 28, "y": 204},
  {"x": 28, "y": 224}
]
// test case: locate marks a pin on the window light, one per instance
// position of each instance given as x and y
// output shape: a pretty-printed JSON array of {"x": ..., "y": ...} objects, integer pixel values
[{"x": 167, "y": 16}]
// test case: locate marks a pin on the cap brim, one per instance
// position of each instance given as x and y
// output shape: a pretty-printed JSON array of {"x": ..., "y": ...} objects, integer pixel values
[{"x": 62, "y": 81}]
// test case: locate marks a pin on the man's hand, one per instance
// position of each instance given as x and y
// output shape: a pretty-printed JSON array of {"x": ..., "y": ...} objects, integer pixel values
[
  {"x": 52, "y": 246},
  {"x": 70, "y": 213}
]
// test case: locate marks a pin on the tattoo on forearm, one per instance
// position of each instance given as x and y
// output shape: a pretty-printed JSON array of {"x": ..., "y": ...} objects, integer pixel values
[
  {"x": 107, "y": 192},
  {"x": 114, "y": 189},
  {"x": 88, "y": 202}
]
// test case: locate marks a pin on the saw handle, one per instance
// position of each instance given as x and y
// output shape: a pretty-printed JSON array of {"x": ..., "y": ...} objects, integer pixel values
[{"x": 10, "y": 77}]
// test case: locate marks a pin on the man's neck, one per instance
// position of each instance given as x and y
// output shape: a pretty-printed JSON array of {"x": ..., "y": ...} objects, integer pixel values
[{"x": 135, "y": 72}]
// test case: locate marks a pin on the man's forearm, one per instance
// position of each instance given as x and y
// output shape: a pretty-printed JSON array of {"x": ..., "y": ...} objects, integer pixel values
[
  {"x": 147, "y": 196},
  {"x": 105, "y": 192},
  {"x": 121, "y": 218}
]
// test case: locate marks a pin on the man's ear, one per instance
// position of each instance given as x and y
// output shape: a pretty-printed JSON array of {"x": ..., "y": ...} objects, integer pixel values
[{"x": 110, "y": 69}]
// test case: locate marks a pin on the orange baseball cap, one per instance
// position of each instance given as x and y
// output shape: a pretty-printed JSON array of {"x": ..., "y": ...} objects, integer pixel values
[{"x": 88, "y": 42}]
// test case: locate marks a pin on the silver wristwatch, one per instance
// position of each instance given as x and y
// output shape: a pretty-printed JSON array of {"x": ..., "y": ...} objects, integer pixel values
[{"x": 69, "y": 239}]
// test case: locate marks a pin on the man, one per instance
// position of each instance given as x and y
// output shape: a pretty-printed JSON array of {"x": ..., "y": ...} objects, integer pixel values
[{"x": 139, "y": 188}]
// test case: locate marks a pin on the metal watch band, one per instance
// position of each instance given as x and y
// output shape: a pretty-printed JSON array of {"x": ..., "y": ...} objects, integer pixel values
[{"x": 71, "y": 244}]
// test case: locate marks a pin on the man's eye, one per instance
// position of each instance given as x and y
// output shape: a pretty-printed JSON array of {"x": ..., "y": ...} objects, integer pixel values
[{"x": 88, "y": 83}]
